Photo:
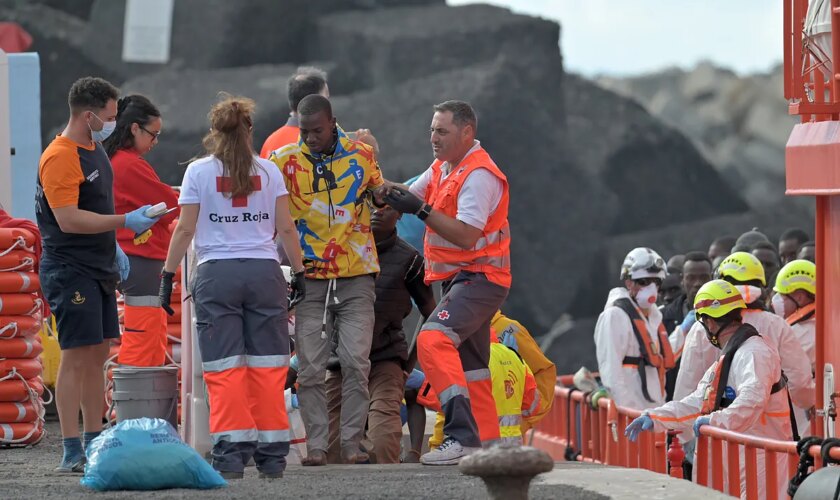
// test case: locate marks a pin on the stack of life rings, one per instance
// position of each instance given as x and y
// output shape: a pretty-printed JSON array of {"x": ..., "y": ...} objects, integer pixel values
[
  {"x": 21, "y": 384},
  {"x": 173, "y": 348}
]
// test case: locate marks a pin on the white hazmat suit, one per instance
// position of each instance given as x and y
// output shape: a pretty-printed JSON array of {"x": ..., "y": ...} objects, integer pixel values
[
  {"x": 614, "y": 340},
  {"x": 754, "y": 370},
  {"x": 699, "y": 354}
]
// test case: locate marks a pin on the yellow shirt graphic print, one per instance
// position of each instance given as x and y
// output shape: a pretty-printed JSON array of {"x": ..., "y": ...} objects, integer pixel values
[{"x": 328, "y": 198}]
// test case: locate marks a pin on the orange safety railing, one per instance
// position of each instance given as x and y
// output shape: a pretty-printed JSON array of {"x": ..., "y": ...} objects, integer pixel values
[{"x": 575, "y": 431}]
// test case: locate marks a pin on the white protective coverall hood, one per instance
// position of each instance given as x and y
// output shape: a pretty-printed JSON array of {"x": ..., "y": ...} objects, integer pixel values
[
  {"x": 755, "y": 368},
  {"x": 699, "y": 354},
  {"x": 614, "y": 339}
]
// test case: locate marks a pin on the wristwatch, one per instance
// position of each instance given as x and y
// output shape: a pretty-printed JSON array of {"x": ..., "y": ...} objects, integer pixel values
[{"x": 424, "y": 211}]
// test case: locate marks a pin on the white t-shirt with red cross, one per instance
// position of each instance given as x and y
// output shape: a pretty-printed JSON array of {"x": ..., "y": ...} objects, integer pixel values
[{"x": 233, "y": 228}]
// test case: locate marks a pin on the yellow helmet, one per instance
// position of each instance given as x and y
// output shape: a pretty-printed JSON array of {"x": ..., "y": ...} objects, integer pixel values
[
  {"x": 742, "y": 266},
  {"x": 797, "y": 275},
  {"x": 717, "y": 298}
]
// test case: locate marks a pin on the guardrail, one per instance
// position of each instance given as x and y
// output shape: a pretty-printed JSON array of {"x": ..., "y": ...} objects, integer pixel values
[{"x": 575, "y": 430}]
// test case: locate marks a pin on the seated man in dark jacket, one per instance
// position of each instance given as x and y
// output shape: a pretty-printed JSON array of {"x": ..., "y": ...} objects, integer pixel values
[{"x": 400, "y": 280}]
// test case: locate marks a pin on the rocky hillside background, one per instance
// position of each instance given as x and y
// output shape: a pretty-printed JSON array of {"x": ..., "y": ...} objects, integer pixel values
[{"x": 595, "y": 168}]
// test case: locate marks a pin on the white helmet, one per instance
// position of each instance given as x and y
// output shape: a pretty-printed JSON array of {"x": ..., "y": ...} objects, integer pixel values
[{"x": 643, "y": 262}]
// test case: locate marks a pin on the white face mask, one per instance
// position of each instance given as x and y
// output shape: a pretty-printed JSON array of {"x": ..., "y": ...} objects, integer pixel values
[
  {"x": 107, "y": 129},
  {"x": 646, "y": 296},
  {"x": 749, "y": 293},
  {"x": 778, "y": 302}
]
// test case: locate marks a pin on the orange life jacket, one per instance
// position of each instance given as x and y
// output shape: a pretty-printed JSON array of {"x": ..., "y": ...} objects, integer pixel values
[
  {"x": 715, "y": 396},
  {"x": 491, "y": 253},
  {"x": 802, "y": 314},
  {"x": 661, "y": 358}
]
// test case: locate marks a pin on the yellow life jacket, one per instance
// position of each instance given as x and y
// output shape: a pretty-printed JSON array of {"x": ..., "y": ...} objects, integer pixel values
[{"x": 507, "y": 372}]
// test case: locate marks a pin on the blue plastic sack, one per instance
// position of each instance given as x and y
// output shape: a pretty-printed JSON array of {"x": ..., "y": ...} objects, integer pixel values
[{"x": 145, "y": 454}]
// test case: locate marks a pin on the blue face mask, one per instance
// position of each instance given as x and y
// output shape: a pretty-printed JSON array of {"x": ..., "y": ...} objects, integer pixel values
[{"x": 107, "y": 130}]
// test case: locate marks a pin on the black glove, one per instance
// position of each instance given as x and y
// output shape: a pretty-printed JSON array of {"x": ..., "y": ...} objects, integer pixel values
[
  {"x": 297, "y": 289},
  {"x": 165, "y": 293},
  {"x": 403, "y": 201}
]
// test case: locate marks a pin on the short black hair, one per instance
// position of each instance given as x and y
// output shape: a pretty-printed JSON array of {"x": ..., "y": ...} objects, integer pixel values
[
  {"x": 698, "y": 256},
  {"x": 91, "y": 93},
  {"x": 314, "y": 104},
  {"x": 725, "y": 241},
  {"x": 794, "y": 233},
  {"x": 462, "y": 113},
  {"x": 307, "y": 80},
  {"x": 765, "y": 245},
  {"x": 741, "y": 248}
]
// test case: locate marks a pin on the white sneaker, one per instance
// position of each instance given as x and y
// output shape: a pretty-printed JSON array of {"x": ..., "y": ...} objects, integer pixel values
[{"x": 450, "y": 452}]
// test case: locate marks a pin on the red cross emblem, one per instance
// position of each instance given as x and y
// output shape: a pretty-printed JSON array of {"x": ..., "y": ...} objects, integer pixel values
[
  {"x": 224, "y": 185},
  {"x": 443, "y": 315}
]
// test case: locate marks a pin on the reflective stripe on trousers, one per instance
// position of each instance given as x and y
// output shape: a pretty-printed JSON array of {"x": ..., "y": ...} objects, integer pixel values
[{"x": 250, "y": 435}]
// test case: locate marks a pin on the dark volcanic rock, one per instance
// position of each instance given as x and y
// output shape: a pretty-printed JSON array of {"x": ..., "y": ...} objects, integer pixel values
[
  {"x": 390, "y": 46},
  {"x": 57, "y": 39},
  {"x": 223, "y": 33},
  {"x": 184, "y": 98},
  {"x": 207, "y": 34},
  {"x": 77, "y": 8},
  {"x": 658, "y": 176}
]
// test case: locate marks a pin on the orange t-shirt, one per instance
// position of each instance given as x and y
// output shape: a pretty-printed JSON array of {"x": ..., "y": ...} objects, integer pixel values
[
  {"x": 60, "y": 171},
  {"x": 287, "y": 134}
]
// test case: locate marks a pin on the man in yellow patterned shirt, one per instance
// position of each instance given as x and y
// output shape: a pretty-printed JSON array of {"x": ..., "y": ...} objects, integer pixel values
[{"x": 330, "y": 179}]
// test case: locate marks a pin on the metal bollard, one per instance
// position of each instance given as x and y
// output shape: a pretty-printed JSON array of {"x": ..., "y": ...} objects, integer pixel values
[{"x": 507, "y": 471}]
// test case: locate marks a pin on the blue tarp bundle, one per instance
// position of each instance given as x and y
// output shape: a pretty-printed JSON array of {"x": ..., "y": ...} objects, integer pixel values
[{"x": 146, "y": 454}]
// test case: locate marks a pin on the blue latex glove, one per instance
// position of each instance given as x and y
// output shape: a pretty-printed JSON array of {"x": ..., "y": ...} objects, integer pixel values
[
  {"x": 294, "y": 364},
  {"x": 509, "y": 339},
  {"x": 122, "y": 264},
  {"x": 688, "y": 321},
  {"x": 642, "y": 423},
  {"x": 295, "y": 402},
  {"x": 137, "y": 221},
  {"x": 700, "y": 422},
  {"x": 415, "y": 379}
]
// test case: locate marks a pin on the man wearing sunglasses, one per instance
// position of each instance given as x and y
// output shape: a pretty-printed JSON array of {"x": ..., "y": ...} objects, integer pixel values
[{"x": 631, "y": 343}]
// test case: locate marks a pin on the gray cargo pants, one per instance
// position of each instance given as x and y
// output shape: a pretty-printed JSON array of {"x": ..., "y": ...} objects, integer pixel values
[{"x": 350, "y": 318}]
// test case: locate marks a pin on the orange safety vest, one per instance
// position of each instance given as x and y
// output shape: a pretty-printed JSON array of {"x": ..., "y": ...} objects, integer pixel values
[
  {"x": 662, "y": 358},
  {"x": 491, "y": 253},
  {"x": 802, "y": 314}
]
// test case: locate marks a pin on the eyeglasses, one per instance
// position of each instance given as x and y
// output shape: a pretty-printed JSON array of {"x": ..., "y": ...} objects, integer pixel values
[
  {"x": 155, "y": 135},
  {"x": 648, "y": 281}
]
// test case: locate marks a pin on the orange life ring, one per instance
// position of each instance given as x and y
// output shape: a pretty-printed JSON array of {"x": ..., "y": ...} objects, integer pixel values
[
  {"x": 175, "y": 318},
  {"x": 16, "y": 390},
  {"x": 174, "y": 330},
  {"x": 19, "y": 282},
  {"x": 18, "y": 412},
  {"x": 18, "y": 326},
  {"x": 21, "y": 433},
  {"x": 18, "y": 303},
  {"x": 17, "y": 260},
  {"x": 21, "y": 347},
  {"x": 15, "y": 237},
  {"x": 27, "y": 368}
]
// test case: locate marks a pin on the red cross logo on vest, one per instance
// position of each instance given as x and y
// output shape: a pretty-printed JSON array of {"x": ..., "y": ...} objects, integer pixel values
[
  {"x": 224, "y": 185},
  {"x": 443, "y": 315}
]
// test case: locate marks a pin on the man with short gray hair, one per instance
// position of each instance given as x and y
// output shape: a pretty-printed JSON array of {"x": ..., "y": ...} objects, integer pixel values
[{"x": 463, "y": 200}]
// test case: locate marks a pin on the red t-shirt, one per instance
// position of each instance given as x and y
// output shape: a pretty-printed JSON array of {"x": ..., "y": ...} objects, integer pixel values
[{"x": 136, "y": 184}]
